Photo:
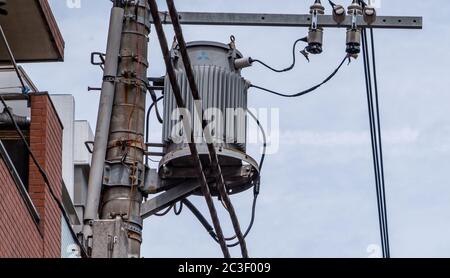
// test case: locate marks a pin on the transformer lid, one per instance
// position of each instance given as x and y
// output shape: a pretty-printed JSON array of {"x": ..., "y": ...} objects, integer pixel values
[{"x": 212, "y": 44}]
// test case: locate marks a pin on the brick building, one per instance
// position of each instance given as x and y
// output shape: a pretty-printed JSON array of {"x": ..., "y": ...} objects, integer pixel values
[
  {"x": 30, "y": 220},
  {"x": 38, "y": 219}
]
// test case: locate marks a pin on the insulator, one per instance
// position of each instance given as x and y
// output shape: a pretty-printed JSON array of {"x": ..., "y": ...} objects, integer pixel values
[
  {"x": 353, "y": 41},
  {"x": 355, "y": 8},
  {"x": 317, "y": 7},
  {"x": 370, "y": 14},
  {"x": 315, "y": 34},
  {"x": 339, "y": 14},
  {"x": 241, "y": 63},
  {"x": 315, "y": 41}
]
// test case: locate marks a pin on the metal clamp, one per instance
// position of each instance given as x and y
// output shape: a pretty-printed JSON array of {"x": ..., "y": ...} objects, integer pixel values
[
  {"x": 100, "y": 61},
  {"x": 89, "y": 146}
]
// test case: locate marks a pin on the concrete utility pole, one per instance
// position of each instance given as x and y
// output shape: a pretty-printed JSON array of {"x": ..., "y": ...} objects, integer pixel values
[{"x": 113, "y": 225}]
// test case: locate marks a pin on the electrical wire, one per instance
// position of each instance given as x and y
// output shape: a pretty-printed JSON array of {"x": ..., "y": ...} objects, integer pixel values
[
  {"x": 160, "y": 214},
  {"x": 376, "y": 139},
  {"x": 192, "y": 146},
  {"x": 305, "y": 91},
  {"x": 383, "y": 187},
  {"x": 179, "y": 210},
  {"x": 294, "y": 59},
  {"x": 35, "y": 161},
  {"x": 147, "y": 131},
  {"x": 155, "y": 100},
  {"x": 210, "y": 229},
  {"x": 256, "y": 191},
  {"x": 263, "y": 132}
]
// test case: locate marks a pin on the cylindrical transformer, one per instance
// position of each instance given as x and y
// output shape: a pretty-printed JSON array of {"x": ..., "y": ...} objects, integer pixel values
[{"x": 224, "y": 101}]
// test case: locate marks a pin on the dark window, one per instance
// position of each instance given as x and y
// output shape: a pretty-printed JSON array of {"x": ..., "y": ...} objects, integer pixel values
[{"x": 18, "y": 153}]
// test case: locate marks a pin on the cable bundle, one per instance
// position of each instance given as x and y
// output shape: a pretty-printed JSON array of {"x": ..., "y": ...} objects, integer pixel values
[{"x": 375, "y": 132}]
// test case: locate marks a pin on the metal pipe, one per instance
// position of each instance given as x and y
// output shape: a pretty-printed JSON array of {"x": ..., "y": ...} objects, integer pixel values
[
  {"x": 103, "y": 118},
  {"x": 5, "y": 119}
]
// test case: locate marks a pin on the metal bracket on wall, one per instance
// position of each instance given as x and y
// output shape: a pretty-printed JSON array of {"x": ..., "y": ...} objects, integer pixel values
[{"x": 290, "y": 20}]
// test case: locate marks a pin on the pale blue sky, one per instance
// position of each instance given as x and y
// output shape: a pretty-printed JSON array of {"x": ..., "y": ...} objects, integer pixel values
[{"x": 318, "y": 196}]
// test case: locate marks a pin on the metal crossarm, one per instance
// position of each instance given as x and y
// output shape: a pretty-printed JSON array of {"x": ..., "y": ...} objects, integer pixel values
[{"x": 288, "y": 20}]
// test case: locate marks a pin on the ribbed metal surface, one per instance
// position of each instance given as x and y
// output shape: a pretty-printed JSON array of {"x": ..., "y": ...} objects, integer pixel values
[{"x": 219, "y": 88}]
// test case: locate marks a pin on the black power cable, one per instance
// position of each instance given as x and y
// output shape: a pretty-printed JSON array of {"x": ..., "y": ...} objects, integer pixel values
[
  {"x": 294, "y": 59},
  {"x": 383, "y": 187},
  {"x": 164, "y": 213},
  {"x": 210, "y": 229},
  {"x": 179, "y": 210},
  {"x": 213, "y": 156},
  {"x": 192, "y": 146},
  {"x": 256, "y": 190},
  {"x": 149, "y": 111},
  {"x": 305, "y": 91},
  {"x": 155, "y": 101},
  {"x": 35, "y": 161},
  {"x": 376, "y": 138},
  {"x": 263, "y": 133}
]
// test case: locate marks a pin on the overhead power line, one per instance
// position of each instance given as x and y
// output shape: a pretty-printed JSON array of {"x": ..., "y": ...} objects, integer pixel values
[
  {"x": 376, "y": 138},
  {"x": 213, "y": 157},
  {"x": 256, "y": 190},
  {"x": 192, "y": 146},
  {"x": 312, "y": 89},
  {"x": 294, "y": 59}
]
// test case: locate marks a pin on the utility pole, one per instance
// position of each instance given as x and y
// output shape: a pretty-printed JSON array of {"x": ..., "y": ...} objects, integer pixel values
[
  {"x": 119, "y": 179},
  {"x": 113, "y": 225}
]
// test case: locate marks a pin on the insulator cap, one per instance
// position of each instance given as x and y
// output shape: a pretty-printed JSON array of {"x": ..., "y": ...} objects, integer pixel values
[
  {"x": 241, "y": 63},
  {"x": 355, "y": 7},
  {"x": 339, "y": 14},
  {"x": 317, "y": 7},
  {"x": 370, "y": 14}
]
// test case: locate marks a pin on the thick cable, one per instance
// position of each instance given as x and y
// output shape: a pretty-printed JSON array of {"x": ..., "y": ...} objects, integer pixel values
[
  {"x": 294, "y": 60},
  {"x": 377, "y": 105},
  {"x": 305, "y": 91},
  {"x": 192, "y": 146},
  {"x": 375, "y": 131},
  {"x": 211, "y": 148},
  {"x": 203, "y": 220},
  {"x": 147, "y": 131}
]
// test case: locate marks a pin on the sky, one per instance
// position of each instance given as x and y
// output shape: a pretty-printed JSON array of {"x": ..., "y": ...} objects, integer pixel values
[{"x": 318, "y": 194}]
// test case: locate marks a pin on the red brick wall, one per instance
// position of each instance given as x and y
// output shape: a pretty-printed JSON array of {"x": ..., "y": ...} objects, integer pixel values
[
  {"x": 19, "y": 235},
  {"x": 46, "y": 144}
]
